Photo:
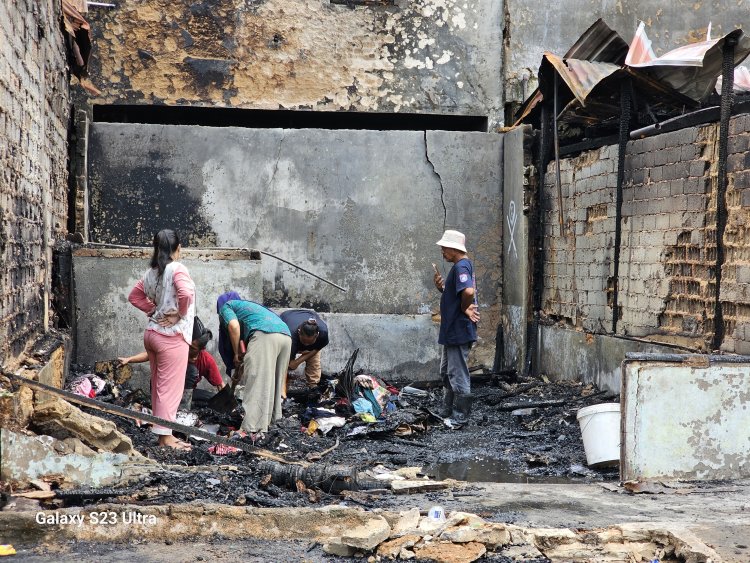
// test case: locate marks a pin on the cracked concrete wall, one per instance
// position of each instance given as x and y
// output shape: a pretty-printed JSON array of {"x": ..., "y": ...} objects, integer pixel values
[
  {"x": 530, "y": 30},
  {"x": 663, "y": 439},
  {"x": 360, "y": 208},
  {"x": 433, "y": 56}
]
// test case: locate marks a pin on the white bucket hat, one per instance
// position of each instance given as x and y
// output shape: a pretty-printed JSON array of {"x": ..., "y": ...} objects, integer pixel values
[{"x": 453, "y": 239}]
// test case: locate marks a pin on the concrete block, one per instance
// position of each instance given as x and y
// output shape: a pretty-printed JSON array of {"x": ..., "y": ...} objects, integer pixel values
[
  {"x": 738, "y": 143},
  {"x": 445, "y": 552},
  {"x": 690, "y": 152},
  {"x": 34, "y": 457},
  {"x": 367, "y": 536},
  {"x": 698, "y": 168}
]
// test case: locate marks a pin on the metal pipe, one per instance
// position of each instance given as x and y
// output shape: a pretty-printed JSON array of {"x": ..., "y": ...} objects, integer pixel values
[
  {"x": 301, "y": 268},
  {"x": 108, "y": 245}
]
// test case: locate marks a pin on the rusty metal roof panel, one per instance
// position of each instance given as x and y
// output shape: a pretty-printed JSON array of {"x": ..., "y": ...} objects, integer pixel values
[
  {"x": 599, "y": 43},
  {"x": 581, "y": 76}
]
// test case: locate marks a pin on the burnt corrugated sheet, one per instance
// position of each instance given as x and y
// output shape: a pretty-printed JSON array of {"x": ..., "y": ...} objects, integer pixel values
[{"x": 599, "y": 43}]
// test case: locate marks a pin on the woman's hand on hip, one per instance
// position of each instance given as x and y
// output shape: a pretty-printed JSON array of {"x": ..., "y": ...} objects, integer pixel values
[{"x": 169, "y": 319}]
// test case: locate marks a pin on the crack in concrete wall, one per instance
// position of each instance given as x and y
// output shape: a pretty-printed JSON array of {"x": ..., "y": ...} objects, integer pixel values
[{"x": 440, "y": 179}]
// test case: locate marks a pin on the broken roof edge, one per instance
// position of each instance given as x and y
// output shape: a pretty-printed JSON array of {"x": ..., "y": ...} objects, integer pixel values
[
  {"x": 599, "y": 43},
  {"x": 144, "y": 252},
  {"x": 583, "y": 77},
  {"x": 580, "y": 76}
]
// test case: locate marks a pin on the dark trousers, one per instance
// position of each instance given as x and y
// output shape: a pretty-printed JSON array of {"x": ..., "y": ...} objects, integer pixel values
[{"x": 454, "y": 368}]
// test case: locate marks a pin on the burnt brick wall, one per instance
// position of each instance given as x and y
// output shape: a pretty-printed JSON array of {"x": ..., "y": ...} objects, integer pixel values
[
  {"x": 34, "y": 110},
  {"x": 577, "y": 259},
  {"x": 667, "y": 281},
  {"x": 735, "y": 285}
]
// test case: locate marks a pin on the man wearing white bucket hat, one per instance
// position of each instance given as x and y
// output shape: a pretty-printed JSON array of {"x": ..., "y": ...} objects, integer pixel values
[{"x": 458, "y": 328}]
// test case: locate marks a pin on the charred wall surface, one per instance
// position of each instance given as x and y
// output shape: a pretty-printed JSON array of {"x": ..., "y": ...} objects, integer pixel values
[
  {"x": 362, "y": 209},
  {"x": 34, "y": 109},
  {"x": 434, "y": 56},
  {"x": 667, "y": 281}
]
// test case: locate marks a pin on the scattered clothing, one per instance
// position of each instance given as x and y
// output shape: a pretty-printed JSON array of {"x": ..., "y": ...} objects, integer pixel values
[
  {"x": 81, "y": 385},
  {"x": 222, "y": 449},
  {"x": 326, "y": 424}
]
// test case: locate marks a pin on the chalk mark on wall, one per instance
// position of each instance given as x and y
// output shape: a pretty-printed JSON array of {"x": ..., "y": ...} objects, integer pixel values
[{"x": 512, "y": 219}]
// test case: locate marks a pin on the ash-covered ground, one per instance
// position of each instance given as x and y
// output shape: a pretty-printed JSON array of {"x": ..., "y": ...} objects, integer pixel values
[{"x": 541, "y": 445}]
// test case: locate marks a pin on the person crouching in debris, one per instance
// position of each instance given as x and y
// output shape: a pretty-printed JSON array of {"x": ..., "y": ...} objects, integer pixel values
[
  {"x": 201, "y": 364},
  {"x": 458, "y": 328},
  {"x": 166, "y": 293},
  {"x": 309, "y": 337},
  {"x": 268, "y": 344}
]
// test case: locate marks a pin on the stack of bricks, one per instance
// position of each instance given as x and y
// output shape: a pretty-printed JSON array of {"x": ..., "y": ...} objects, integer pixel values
[
  {"x": 664, "y": 199},
  {"x": 34, "y": 110}
]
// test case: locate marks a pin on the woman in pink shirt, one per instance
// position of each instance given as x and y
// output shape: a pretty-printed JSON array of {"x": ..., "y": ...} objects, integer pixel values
[{"x": 166, "y": 293}]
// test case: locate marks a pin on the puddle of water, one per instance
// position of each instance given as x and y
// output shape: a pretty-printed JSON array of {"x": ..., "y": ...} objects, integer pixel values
[{"x": 490, "y": 470}]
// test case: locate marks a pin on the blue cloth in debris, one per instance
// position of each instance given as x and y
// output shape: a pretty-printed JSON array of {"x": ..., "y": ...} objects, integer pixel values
[
  {"x": 363, "y": 405},
  {"x": 370, "y": 396}
]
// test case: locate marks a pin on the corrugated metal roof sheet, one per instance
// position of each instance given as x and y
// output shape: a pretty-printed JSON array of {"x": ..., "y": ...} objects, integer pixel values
[
  {"x": 78, "y": 29},
  {"x": 581, "y": 77},
  {"x": 693, "y": 69},
  {"x": 599, "y": 43}
]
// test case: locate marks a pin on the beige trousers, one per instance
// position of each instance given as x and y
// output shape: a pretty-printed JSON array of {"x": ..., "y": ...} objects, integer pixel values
[
  {"x": 265, "y": 366},
  {"x": 312, "y": 369}
]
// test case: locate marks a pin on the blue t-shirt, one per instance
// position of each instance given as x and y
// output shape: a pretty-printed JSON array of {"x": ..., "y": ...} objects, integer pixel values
[
  {"x": 455, "y": 327},
  {"x": 251, "y": 316}
]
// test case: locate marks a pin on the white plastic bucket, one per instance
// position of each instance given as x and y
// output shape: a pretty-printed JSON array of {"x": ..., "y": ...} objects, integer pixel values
[{"x": 600, "y": 427}]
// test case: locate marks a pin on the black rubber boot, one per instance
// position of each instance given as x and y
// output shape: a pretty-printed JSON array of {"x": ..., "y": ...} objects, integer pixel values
[
  {"x": 448, "y": 396},
  {"x": 187, "y": 400},
  {"x": 461, "y": 411}
]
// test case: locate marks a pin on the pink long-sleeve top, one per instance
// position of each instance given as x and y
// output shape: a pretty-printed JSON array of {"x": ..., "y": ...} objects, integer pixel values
[{"x": 175, "y": 291}]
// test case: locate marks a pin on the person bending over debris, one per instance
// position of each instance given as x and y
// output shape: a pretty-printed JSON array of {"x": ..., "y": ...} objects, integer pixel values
[
  {"x": 166, "y": 293},
  {"x": 309, "y": 337},
  {"x": 458, "y": 328},
  {"x": 268, "y": 343},
  {"x": 201, "y": 364}
]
